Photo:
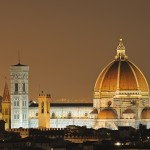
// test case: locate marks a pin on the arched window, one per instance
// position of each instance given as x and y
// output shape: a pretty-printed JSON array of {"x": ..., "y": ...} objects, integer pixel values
[
  {"x": 14, "y": 103},
  {"x": 16, "y": 115},
  {"x": 17, "y": 103},
  {"x": 47, "y": 107},
  {"x": 53, "y": 115},
  {"x": 86, "y": 114},
  {"x": 24, "y": 103},
  {"x": 42, "y": 107},
  {"x": 16, "y": 87},
  {"x": 69, "y": 115},
  {"x": 24, "y": 115},
  {"x": 23, "y": 87}
]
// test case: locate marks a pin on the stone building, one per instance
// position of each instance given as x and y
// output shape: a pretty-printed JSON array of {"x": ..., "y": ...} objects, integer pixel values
[
  {"x": 44, "y": 111},
  {"x": 19, "y": 95},
  {"x": 121, "y": 98}
]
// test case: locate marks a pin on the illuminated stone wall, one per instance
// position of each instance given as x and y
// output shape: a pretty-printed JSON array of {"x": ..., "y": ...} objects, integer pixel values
[
  {"x": 19, "y": 96},
  {"x": 64, "y": 112},
  {"x": 44, "y": 111},
  {"x": 63, "y": 123},
  {"x": 60, "y": 117}
]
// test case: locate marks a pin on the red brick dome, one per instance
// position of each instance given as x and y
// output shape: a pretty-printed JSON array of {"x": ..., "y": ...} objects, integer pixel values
[{"x": 121, "y": 74}]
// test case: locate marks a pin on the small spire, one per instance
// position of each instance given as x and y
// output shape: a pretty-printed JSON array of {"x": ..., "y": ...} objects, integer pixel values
[
  {"x": 120, "y": 46},
  {"x": 18, "y": 57},
  {"x": 6, "y": 95},
  {"x": 121, "y": 51}
]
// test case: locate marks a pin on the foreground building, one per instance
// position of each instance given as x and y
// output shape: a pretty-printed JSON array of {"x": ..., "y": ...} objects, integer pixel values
[{"x": 121, "y": 98}]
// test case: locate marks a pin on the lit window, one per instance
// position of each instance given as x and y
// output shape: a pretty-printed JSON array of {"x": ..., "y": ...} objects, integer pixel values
[{"x": 117, "y": 143}]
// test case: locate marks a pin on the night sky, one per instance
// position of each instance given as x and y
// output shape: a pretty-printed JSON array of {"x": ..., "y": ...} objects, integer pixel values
[{"x": 67, "y": 43}]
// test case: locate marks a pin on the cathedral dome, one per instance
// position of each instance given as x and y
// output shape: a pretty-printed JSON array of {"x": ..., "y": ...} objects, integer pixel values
[
  {"x": 107, "y": 113},
  {"x": 145, "y": 113},
  {"x": 121, "y": 74}
]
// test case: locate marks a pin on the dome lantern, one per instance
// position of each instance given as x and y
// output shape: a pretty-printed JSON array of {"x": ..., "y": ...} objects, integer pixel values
[{"x": 121, "y": 51}]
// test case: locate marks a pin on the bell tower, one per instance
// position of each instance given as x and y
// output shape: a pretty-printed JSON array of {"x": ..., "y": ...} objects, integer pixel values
[
  {"x": 6, "y": 107},
  {"x": 44, "y": 110},
  {"x": 19, "y": 95}
]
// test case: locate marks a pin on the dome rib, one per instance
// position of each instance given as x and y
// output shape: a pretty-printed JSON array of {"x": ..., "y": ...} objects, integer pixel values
[
  {"x": 134, "y": 76},
  {"x": 118, "y": 79},
  {"x": 109, "y": 82},
  {"x": 100, "y": 78},
  {"x": 127, "y": 79},
  {"x": 143, "y": 85}
]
